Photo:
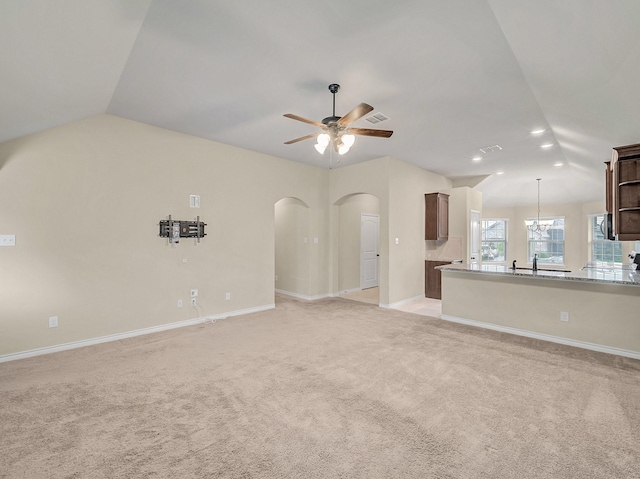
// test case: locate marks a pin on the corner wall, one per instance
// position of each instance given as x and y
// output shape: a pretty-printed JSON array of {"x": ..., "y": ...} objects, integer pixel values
[{"x": 400, "y": 187}]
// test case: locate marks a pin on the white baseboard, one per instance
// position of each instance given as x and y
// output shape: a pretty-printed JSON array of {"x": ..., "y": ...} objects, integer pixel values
[
  {"x": 401, "y": 303},
  {"x": 305, "y": 297},
  {"x": 545, "y": 337},
  {"x": 129, "y": 334}
]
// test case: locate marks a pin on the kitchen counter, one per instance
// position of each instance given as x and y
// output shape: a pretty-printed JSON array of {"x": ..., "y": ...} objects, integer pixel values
[
  {"x": 592, "y": 272},
  {"x": 594, "y": 308}
]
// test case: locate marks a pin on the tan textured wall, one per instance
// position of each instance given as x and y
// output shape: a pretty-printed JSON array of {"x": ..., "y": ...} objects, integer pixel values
[
  {"x": 84, "y": 201},
  {"x": 598, "y": 314}
]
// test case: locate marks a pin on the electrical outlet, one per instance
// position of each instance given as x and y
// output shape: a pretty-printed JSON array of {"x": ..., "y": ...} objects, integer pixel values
[
  {"x": 194, "y": 293},
  {"x": 53, "y": 322},
  {"x": 179, "y": 303},
  {"x": 564, "y": 316},
  {"x": 276, "y": 277},
  {"x": 227, "y": 296},
  {"x": 194, "y": 302}
]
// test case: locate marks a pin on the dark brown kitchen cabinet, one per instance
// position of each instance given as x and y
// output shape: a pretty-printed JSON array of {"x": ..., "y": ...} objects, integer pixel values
[
  {"x": 625, "y": 187},
  {"x": 437, "y": 216},
  {"x": 433, "y": 279},
  {"x": 608, "y": 187}
]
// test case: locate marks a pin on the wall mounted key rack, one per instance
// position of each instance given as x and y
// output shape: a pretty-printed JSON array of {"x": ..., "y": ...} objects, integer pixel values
[{"x": 176, "y": 229}]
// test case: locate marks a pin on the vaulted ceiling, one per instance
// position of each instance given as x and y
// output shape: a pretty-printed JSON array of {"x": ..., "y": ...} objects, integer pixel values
[{"x": 453, "y": 77}]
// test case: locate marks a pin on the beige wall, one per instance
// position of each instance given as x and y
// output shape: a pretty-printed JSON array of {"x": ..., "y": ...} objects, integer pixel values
[
  {"x": 84, "y": 201},
  {"x": 400, "y": 187},
  {"x": 461, "y": 201},
  {"x": 576, "y": 230},
  {"x": 602, "y": 315},
  {"x": 408, "y": 185}
]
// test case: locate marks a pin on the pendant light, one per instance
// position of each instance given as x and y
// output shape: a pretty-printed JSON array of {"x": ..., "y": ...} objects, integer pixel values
[{"x": 538, "y": 225}]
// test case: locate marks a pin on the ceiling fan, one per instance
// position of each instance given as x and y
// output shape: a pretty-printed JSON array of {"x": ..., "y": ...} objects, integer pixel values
[{"x": 335, "y": 129}]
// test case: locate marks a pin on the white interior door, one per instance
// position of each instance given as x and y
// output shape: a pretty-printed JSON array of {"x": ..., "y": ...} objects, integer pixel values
[
  {"x": 474, "y": 237},
  {"x": 369, "y": 250}
]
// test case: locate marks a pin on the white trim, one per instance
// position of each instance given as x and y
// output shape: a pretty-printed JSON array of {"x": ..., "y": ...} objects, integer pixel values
[
  {"x": 401, "y": 303},
  {"x": 545, "y": 337},
  {"x": 308, "y": 298},
  {"x": 129, "y": 334}
]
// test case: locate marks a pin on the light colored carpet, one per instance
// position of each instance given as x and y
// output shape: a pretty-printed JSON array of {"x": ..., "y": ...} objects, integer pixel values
[{"x": 324, "y": 389}]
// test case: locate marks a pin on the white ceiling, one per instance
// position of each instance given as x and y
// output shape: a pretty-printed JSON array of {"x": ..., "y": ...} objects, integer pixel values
[{"x": 453, "y": 76}]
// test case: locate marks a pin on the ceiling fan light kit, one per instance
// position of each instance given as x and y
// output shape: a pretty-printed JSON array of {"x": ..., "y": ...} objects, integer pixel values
[{"x": 335, "y": 128}]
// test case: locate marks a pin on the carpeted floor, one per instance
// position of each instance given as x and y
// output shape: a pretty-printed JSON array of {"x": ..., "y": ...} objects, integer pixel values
[{"x": 325, "y": 389}]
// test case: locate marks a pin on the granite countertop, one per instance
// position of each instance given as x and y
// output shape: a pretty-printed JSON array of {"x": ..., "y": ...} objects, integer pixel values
[{"x": 591, "y": 273}]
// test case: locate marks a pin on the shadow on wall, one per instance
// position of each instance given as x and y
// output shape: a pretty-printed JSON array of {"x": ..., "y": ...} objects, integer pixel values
[{"x": 8, "y": 151}]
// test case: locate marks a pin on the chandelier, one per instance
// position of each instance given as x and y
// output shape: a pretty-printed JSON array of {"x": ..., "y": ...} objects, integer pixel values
[{"x": 538, "y": 225}]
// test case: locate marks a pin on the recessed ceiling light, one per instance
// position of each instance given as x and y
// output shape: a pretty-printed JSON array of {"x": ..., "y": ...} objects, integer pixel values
[
  {"x": 558, "y": 164},
  {"x": 546, "y": 145},
  {"x": 499, "y": 172},
  {"x": 476, "y": 158},
  {"x": 538, "y": 132}
]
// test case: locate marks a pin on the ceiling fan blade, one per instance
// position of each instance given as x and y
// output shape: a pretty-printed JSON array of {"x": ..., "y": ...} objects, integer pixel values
[
  {"x": 370, "y": 132},
  {"x": 299, "y": 118},
  {"x": 313, "y": 135},
  {"x": 358, "y": 112}
]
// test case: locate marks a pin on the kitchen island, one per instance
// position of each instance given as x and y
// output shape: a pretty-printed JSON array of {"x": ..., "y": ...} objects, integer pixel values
[{"x": 596, "y": 307}]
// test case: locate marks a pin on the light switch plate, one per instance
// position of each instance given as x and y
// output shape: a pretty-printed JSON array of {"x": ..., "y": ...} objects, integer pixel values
[{"x": 7, "y": 240}]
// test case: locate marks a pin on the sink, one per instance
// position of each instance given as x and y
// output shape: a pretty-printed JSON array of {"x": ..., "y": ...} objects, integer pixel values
[{"x": 546, "y": 269}]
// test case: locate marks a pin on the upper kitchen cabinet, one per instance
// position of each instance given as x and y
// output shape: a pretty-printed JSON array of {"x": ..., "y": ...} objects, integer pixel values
[
  {"x": 437, "y": 217},
  {"x": 625, "y": 188}
]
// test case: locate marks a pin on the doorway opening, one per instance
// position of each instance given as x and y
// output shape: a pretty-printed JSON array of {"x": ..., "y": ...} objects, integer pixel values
[
  {"x": 359, "y": 247},
  {"x": 292, "y": 262}
]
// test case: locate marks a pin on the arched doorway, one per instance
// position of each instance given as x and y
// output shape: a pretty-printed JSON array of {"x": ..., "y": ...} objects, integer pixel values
[
  {"x": 358, "y": 247},
  {"x": 292, "y": 242}
]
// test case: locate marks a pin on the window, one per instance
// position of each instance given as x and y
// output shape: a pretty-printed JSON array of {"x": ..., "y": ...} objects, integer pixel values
[
  {"x": 547, "y": 244},
  {"x": 494, "y": 240},
  {"x": 603, "y": 250}
]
